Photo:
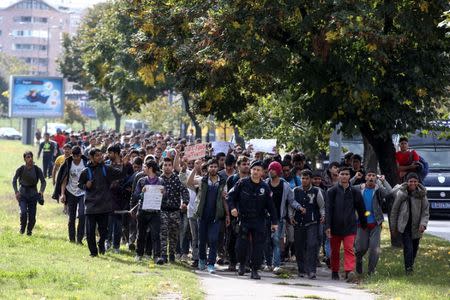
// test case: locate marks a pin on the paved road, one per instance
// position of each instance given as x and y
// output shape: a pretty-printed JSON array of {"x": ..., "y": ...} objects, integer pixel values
[
  {"x": 439, "y": 227},
  {"x": 226, "y": 285}
]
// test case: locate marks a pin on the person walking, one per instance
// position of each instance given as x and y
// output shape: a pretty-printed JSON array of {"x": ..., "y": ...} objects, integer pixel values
[
  {"x": 27, "y": 194},
  {"x": 250, "y": 200},
  {"x": 409, "y": 216}
]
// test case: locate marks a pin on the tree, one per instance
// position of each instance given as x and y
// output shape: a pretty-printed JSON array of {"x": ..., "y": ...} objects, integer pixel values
[
  {"x": 72, "y": 113},
  {"x": 98, "y": 58},
  {"x": 8, "y": 66},
  {"x": 103, "y": 111},
  {"x": 363, "y": 64}
]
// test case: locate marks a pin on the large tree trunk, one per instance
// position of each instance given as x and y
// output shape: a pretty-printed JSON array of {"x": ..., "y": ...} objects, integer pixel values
[
  {"x": 198, "y": 129},
  {"x": 370, "y": 157},
  {"x": 385, "y": 151},
  {"x": 238, "y": 138},
  {"x": 116, "y": 114}
]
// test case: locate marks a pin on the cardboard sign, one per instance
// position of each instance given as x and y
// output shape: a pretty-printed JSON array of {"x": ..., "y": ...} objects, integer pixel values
[
  {"x": 263, "y": 145},
  {"x": 196, "y": 151},
  {"x": 152, "y": 197},
  {"x": 221, "y": 147}
]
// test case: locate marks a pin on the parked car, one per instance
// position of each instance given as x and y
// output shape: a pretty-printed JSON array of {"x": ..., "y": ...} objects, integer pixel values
[
  {"x": 10, "y": 133},
  {"x": 437, "y": 153},
  {"x": 52, "y": 127}
]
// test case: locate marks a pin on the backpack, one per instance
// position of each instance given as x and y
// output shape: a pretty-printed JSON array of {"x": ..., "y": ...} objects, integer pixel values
[
  {"x": 424, "y": 168},
  {"x": 90, "y": 174},
  {"x": 35, "y": 170}
]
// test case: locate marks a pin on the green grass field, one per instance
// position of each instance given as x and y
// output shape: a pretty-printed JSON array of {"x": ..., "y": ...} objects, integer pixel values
[{"x": 47, "y": 266}]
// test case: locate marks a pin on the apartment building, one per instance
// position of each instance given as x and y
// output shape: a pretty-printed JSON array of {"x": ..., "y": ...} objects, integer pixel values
[{"x": 32, "y": 31}]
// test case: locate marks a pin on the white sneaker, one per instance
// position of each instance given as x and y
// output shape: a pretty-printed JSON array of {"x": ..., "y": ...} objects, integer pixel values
[
  {"x": 138, "y": 258},
  {"x": 184, "y": 258},
  {"x": 267, "y": 269},
  {"x": 277, "y": 270}
]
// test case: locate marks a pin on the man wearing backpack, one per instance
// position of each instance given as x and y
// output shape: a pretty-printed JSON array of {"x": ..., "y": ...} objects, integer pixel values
[
  {"x": 96, "y": 180},
  {"x": 407, "y": 160},
  {"x": 27, "y": 195}
]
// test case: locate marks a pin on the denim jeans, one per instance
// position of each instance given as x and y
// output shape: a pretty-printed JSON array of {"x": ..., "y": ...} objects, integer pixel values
[
  {"x": 276, "y": 239},
  {"x": 208, "y": 233},
  {"x": 410, "y": 248},
  {"x": 183, "y": 243},
  {"x": 27, "y": 205},
  {"x": 75, "y": 206},
  {"x": 115, "y": 230}
]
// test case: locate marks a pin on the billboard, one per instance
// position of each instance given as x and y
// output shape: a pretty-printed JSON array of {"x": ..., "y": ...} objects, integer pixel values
[{"x": 36, "y": 97}]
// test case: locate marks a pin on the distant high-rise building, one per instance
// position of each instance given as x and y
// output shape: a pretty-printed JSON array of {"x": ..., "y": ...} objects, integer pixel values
[{"x": 32, "y": 31}]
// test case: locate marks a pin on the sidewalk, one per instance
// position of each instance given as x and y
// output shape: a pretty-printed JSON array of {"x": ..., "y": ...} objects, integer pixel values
[{"x": 227, "y": 285}]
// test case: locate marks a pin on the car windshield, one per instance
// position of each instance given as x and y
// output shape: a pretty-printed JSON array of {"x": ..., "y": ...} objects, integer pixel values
[{"x": 438, "y": 158}]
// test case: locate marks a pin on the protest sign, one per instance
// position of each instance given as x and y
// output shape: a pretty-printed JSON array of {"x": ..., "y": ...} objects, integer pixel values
[
  {"x": 263, "y": 145},
  {"x": 196, "y": 151},
  {"x": 152, "y": 197},
  {"x": 221, "y": 147}
]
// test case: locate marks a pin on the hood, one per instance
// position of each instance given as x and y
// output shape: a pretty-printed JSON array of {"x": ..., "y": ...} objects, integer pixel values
[
  {"x": 441, "y": 179},
  {"x": 402, "y": 190}
]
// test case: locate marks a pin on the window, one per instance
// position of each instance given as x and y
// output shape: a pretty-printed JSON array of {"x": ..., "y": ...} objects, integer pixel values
[
  {"x": 40, "y": 20},
  {"x": 29, "y": 47},
  {"x": 0, "y": 33},
  {"x": 22, "y": 19},
  {"x": 32, "y": 4},
  {"x": 35, "y": 61},
  {"x": 30, "y": 33}
]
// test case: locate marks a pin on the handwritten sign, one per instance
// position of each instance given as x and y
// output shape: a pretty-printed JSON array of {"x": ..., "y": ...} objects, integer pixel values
[
  {"x": 152, "y": 197},
  {"x": 263, "y": 145},
  {"x": 221, "y": 147},
  {"x": 196, "y": 151}
]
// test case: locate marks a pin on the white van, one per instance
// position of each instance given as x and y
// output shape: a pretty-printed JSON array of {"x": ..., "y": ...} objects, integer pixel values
[
  {"x": 52, "y": 127},
  {"x": 135, "y": 125}
]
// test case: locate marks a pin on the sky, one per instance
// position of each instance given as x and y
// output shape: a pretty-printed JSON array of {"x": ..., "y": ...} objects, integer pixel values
[{"x": 71, "y": 3}]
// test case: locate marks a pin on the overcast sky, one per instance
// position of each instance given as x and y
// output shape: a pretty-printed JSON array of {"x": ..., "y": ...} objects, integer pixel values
[{"x": 73, "y": 3}]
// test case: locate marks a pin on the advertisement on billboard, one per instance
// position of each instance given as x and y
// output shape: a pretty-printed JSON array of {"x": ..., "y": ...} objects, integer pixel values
[{"x": 36, "y": 97}]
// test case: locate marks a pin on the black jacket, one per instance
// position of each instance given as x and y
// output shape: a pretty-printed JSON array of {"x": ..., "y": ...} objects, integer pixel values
[
  {"x": 62, "y": 174},
  {"x": 98, "y": 197},
  {"x": 340, "y": 210},
  {"x": 252, "y": 201}
]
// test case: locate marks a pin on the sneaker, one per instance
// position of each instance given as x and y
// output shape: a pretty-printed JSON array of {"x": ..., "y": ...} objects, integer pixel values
[
  {"x": 164, "y": 258},
  {"x": 146, "y": 257},
  {"x": 231, "y": 268},
  {"x": 211, "y": 269},
  {"x": 159, "y": 261},
  {"x": 255, "y": 275},
  {"x": 107, "y": 245},
  {"x": 138, "y": 258},
  {"x": 131, "y": 247},
  {"x": 359, "y": 267},
  {"x": 312, "y": 276},
  {"x": 116, "y": 251},
  {"x": 22, "y": 231},
  {"x": 184, "y": 258},
  {"x": 267, "y": 269},
  {"x": 29, "y": 233},
  {"x": 194, "y": 264},
  {"x": 301, "y": 274},
  {"x": 171, "y": 258},
  {"x": 277, "y": 270},
  {"x": 409, "y": 271},
  {"x": 201, "y": 264},
  {"x": 93, "y": 255},
  {"x": 335, "y": 276},
  {"x": 220, "y": 262},
  {"x": 328, "y": 262},
  {"x": 350, "y": 276}
]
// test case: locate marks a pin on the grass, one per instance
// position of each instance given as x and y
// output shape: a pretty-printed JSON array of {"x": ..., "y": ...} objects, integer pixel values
[
  {"x": 47, "y": 266},
  {"x": 431, "y": 279}
]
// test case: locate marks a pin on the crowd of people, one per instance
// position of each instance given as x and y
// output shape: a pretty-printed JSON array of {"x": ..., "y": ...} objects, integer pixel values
[{"x": 245, "y": 209}]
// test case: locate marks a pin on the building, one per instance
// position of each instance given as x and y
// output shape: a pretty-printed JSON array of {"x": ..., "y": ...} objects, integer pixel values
[{"x": 32, "y": 31}]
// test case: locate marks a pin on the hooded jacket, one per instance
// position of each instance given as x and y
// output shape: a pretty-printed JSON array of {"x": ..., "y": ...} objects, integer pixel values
[
  {"x": 98, "y": 197},
  {"x": 62, "y": 174},
  {"x": 419, "y": 209},
  {"x": 287, "y": 197}
]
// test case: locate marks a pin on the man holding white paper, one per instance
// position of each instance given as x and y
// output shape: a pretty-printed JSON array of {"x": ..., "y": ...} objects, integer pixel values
[{"x": 149, "y": 190}]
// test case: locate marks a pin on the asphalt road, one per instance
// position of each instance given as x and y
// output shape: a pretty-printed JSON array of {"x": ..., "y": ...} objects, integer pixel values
[{"x": 439, "y": 227}]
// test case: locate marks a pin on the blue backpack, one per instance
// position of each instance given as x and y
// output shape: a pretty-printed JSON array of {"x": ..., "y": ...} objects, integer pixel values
[
  {"x": 91, "y": 176},
  {"x": 424, "y": 169}
]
